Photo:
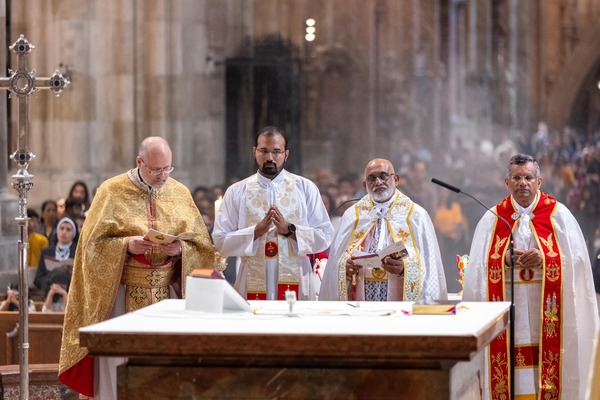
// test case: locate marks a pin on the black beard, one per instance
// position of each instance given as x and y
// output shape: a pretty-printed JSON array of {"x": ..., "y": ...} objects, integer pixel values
[{"x": 269, "y": 169}]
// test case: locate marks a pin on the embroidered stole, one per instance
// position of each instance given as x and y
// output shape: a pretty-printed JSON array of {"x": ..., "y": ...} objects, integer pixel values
[
  {"x": 398, "y": 224},
  {"x": 550, "y": 358},
  {"x": 272, "y": 248}
]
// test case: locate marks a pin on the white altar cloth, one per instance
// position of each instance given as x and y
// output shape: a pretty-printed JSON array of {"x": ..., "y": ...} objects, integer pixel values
[{"x": 308, "y": 318}]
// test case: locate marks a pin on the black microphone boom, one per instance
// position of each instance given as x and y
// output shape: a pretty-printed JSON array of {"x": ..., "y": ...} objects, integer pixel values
[
  {"x": 341, "y": 205},
  {"x": 447, "y": 186},
  {"x": 511, "y": 250}
]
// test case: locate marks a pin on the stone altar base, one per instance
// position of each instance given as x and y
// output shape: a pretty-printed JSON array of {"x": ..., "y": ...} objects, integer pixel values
[
  {"x": 137, "y": 382},
  {"x": 43, "y": 382}
]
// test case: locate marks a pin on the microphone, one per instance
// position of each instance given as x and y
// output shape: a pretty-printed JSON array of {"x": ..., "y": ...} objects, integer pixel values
[
  {"x": 341, "y": 205},
  {"x": 511, "y": 251},
  {"x": 446, "y": 185}
]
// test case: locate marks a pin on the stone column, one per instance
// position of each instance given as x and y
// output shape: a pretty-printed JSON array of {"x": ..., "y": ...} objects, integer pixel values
[{"x": 9, "y": 202}]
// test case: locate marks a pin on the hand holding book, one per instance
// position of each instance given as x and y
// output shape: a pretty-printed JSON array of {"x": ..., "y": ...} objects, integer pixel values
[
  {"x": 396, "y": 251},
  {"x": 164, "y": 238}
]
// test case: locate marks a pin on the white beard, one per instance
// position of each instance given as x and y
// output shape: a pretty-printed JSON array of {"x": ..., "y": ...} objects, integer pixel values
[{"x": 384, "y": 196}]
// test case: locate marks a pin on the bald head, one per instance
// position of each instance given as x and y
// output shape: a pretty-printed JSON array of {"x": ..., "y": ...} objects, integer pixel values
[
  {"x": 380, "y": 180},
  {"x": 153, "y": 145},
  {"x": 154, "y": 161},
  {"x": 380, "y": 163}
]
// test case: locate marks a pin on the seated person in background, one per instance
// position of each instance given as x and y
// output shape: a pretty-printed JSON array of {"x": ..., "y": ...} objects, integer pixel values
[
  {"x": 79, "y": 220},
  {"x": 80, "y": 191},
  {"x": 48, "y": 219},
  {"x": 60, "y": 208},
  {"x": 55, "y": 290},
  {"x": 12, "y": 299},
  {"x": 56, "y": 254},
  {"x": 73, "y": 208},
  {"x": 37, "y": 241}
]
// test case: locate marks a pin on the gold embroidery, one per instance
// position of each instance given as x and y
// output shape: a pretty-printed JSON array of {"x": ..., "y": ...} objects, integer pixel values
[
  {"x": 520, "y": 359},
  {"x": 553, "y": 271},
  {"x": 550, "y": 361},
  {"x": 549, "y": 243},
  {"x": 499, "y": 379},
  {"x": 497, "y": 245},
  {"x": 495, "y": 273},
  {"x": 403, "y": 235},
  {"x": 550, "y": 316},
  {"x": 378, "y": 273}
]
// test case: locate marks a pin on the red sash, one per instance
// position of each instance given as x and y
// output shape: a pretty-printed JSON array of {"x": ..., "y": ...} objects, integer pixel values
[{"x": 550, "y": 360}]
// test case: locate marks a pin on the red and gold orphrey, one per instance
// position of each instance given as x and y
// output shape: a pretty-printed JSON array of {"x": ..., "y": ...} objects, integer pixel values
[{"x": 548, "y": 353}]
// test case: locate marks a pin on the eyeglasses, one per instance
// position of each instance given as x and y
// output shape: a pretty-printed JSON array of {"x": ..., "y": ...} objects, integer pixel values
[
  {"x": 275, "y": 153},
  {"x": 384, "y": 176},
  {"x": 157, "y": 172},
  {"x": 528, "y": 178}
]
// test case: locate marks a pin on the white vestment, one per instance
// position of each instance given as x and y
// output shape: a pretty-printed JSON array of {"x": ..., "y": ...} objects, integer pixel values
[
  {"x": 403, "y": 220},
  {"x": 234, "y": 236},
  {"x": 579, "y": 308}
]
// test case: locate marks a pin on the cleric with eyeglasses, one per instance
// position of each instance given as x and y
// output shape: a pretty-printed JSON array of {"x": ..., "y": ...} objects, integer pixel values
[
  {"x": 118, "y": 270},
  {"x": 383, "y": 217},
  {"x": 273, "y": 220}
]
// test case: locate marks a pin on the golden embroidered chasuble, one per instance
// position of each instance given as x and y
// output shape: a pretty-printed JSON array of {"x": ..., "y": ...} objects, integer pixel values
[{"x": 124, "y": 207}]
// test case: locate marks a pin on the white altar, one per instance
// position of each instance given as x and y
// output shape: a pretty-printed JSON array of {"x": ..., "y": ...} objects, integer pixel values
[{"x": 323, "y": 350}]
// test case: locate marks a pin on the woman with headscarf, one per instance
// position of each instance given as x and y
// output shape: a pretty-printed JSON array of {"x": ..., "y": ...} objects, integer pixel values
[{"x": 59, "y": 255}]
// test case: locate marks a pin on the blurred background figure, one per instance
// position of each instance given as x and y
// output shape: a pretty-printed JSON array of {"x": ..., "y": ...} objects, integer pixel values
[
  {"x": 37, "y": 242},
  {"x": 12, "y": 299},
  {"x": 80, "y": 191},
  {"x": 56, "y": 289},
  {"x": 60, "y": 208},
  {"x": 59, "y": 254},
  {"x": 48, "y": 218}
]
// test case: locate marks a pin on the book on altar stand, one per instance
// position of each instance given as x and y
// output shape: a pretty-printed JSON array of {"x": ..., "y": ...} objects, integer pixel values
[
  {"x": 438, "y": 307},
  {"x": 395, "y": 250},
  {"x": 52, "y": 263},
  {"x": 164, "y": 238}
]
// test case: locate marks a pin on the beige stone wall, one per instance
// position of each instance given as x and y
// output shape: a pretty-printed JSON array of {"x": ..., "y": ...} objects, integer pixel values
[
  {"x": 383, "y": 76},
  {"x": 139, "y": 69}
]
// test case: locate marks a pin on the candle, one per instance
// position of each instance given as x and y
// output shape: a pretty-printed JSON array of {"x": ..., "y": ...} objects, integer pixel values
[{"x": 218, "y": 204}]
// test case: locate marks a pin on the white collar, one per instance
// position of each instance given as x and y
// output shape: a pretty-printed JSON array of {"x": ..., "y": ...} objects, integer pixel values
[{"x": 265, "y": 182}]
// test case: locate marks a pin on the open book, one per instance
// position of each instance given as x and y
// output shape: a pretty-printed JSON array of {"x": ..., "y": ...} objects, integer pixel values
[
  {"x": 164, "y": 238},
  {"x": 396, "y": 250},
  {"x": 52, "y": 263}
]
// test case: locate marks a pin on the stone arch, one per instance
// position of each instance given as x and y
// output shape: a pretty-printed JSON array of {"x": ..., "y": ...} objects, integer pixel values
[{"x": 568, "y": 85}]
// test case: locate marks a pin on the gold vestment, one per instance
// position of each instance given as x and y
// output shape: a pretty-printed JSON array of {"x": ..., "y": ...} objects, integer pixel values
[{"x": 124, "y": 207}]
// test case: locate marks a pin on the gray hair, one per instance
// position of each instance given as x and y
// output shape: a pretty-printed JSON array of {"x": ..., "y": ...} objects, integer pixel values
[{"x": 520, "y": 159}]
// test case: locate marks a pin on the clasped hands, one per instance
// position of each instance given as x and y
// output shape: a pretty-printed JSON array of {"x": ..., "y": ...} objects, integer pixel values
[
  {"x": 391, "y": 265},
  {"x": 273, "y": 216},
  {"x": 55, "y": 288},
  {"x": 140, "y": 245},
  {"x": 531, "y": 258}
]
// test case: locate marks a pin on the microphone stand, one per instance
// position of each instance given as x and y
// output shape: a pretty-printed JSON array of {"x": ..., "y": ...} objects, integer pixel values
[{"x": 511, "y": 252}]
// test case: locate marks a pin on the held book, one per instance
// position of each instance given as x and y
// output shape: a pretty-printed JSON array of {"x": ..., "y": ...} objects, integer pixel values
[
  {"x": 52, "y": 263},
  {"x": 443, "y": 307},
  {"x": 370, "y": 260},
  {"x": 164, "y": 238}
]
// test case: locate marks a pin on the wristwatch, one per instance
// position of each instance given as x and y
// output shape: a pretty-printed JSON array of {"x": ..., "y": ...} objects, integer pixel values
[{"x": 291, "y": 230}]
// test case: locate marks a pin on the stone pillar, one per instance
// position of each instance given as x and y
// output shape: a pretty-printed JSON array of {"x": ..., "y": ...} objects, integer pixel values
[{"x": 9, "y": 202}]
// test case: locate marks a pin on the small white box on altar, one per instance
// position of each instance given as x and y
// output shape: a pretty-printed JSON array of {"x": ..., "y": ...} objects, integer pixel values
[{"x": 213, "y": 296}]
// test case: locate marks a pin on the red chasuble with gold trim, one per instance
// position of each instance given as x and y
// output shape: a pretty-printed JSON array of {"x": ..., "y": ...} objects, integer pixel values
[{"x": 550, "y": 358}]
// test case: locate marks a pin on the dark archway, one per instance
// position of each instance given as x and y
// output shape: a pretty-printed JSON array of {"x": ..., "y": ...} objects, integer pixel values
[
  {"x": 572, "y": 81},
  {"x": 262, "y": 90}
]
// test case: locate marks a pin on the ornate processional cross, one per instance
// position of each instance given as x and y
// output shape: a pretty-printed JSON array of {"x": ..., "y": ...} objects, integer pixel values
[{"x": 23, "y": 83}]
